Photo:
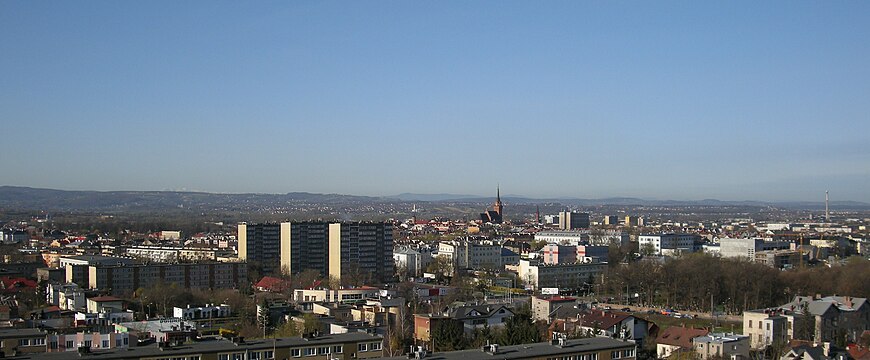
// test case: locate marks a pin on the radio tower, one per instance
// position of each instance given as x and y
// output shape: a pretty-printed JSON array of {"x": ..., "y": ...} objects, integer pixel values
[{"x": 827, "y": 213}]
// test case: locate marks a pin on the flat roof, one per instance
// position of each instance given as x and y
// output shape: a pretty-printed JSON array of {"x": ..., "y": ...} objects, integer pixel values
[
  {"x": 206, "y": 346},
  {"x": 526, "y": 351}
]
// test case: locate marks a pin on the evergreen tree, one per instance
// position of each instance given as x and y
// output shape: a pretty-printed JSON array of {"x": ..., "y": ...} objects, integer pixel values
[{"x": 448, "y": 335}]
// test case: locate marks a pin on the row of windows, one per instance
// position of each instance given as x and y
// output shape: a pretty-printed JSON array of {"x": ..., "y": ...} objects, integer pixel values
[
  {"x": 252, "y": 355},
  {"x": 31, "y": 342},
  {"x": 576, "y": 357},
  {"x": 619, "y": 354},
  {"x": 323, "y": 350}
]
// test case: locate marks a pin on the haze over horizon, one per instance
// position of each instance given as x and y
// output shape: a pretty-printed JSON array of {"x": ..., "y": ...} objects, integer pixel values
[{"x": 667, "y": 100}]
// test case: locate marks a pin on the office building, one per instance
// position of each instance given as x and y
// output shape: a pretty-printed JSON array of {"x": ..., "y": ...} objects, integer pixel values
[{"x": 569, "y": 220}]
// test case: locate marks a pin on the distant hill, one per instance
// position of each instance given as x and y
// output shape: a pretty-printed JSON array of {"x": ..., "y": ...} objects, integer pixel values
[
  {"x": 431, "y": 197},
  {"x": 14, "y": 197},
  {"x": 26, "y": 198}
]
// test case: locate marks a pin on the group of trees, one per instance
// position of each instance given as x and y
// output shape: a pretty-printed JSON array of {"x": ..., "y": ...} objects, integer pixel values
[{"x": 701, "y": 282}]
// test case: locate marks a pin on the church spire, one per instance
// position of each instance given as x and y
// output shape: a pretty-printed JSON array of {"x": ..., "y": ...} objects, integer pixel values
[{"x": 498, "y": 206}]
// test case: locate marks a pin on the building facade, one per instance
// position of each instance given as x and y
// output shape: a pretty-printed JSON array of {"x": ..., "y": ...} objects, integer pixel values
[
  {"x": 669, "y": 244},
  {"x": 120, "y": 279},
  {"x": 569, "y": 220},
  {"x": 332, "y": 249}
]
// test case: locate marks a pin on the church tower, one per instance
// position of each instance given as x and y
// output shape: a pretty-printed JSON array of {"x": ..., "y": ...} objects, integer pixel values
[{"x": 498, "y": 206}]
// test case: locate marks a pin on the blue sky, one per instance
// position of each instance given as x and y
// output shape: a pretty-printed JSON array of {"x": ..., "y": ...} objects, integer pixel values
[{"x": 662, "y": 100}]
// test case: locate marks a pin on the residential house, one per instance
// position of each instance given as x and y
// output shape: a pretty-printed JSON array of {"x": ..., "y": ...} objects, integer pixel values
[{"x": 676, "y": 338}]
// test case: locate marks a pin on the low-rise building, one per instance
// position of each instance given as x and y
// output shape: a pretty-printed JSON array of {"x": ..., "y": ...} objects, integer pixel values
[
  {"x": 202, "y": 312},
  {"x": 543, "y": 306},
  {"x": 339, "y": 295},
  {"x": 102, "y": 304},
  {"x": 676, "y": 338},
  {"x": 92, "y": 341},
  {"x": 722, "y": 346},
  {"x": 765, "y": 328}
]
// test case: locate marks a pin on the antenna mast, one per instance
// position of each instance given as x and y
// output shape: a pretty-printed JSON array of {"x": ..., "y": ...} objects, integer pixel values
[{"x": 827, "y": 212}]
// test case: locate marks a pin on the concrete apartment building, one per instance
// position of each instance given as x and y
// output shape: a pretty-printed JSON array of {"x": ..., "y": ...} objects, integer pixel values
[
  {"x": 833, "y": 316},
  {"x": 77, "y": 266},
  {"x": 780, "y": 259},
  {"x": 554, "y": 254},
  {"x": 333, "y": 249},
  {"x": 722, "y": 346},
  {"x": 479, "y": 254},
  {"x": 569, "y": 220},
  {"x": 583, "y": 237},
  {"x": 599, "y": 348},
  {"x": 536, "y": 275},
  {"x": 354, "y": 345},
  {"x": 747, "y": 247},
  {"x": 120, "y": 279},
  {"x": 670, "y": 244}
]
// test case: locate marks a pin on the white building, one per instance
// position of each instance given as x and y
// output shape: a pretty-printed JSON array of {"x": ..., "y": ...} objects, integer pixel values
[
  {"x": 670, "y": 244},
  {"x": 483, "y": 254},
  {"x": 722, "y": 346},
  {"x": 746, "y": 248},
  {"x": 202, "y": 312},
  {"x": 413, "y": 261},
  {"x": 103, "y": 319},
  {"x": 66, "y": 296},
  {"x": 583, "y": 237}
]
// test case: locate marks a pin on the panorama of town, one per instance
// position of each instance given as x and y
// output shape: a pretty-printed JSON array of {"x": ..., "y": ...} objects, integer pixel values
[{"x": 507, "y": 282}]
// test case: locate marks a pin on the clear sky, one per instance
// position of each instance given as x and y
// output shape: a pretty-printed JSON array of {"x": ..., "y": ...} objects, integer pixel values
[{"x": 655, "y": 99}]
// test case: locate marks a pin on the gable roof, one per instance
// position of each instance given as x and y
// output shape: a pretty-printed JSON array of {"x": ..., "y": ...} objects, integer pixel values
[
  {"x": 476, "y": 311},
  {"x": 680, "y": 336},
  {"x": 601, "y": 319}
]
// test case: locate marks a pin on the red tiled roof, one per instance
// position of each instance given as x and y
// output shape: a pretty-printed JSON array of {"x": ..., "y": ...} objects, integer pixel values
[
  {"x": 858, "y": 352},
  {"x": 680, "y": 336},
  {"x": 15, "y": 283},
  {"x": 269, "y": 283},
  {"x": 602, "y": 319}
]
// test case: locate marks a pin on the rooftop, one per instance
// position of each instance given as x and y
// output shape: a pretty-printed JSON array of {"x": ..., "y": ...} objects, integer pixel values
[
  {"x": 206, "y": 346},
  {"x": 530, "y": 351}
]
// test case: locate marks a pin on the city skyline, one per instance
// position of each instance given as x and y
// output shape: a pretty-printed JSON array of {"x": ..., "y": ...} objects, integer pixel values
[{"x": 674, "y": 100}]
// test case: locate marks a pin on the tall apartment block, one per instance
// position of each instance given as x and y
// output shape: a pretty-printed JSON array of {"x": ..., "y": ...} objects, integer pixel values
[
  {"x": 333, "y": 249},
  {"x": 569, "y": 220}
]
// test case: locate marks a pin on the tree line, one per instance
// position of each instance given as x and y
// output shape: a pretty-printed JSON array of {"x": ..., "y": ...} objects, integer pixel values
[{"x": 701, "y": 282}]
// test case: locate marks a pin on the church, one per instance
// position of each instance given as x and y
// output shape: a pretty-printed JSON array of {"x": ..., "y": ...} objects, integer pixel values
[{"x": 495, "y": 215}]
